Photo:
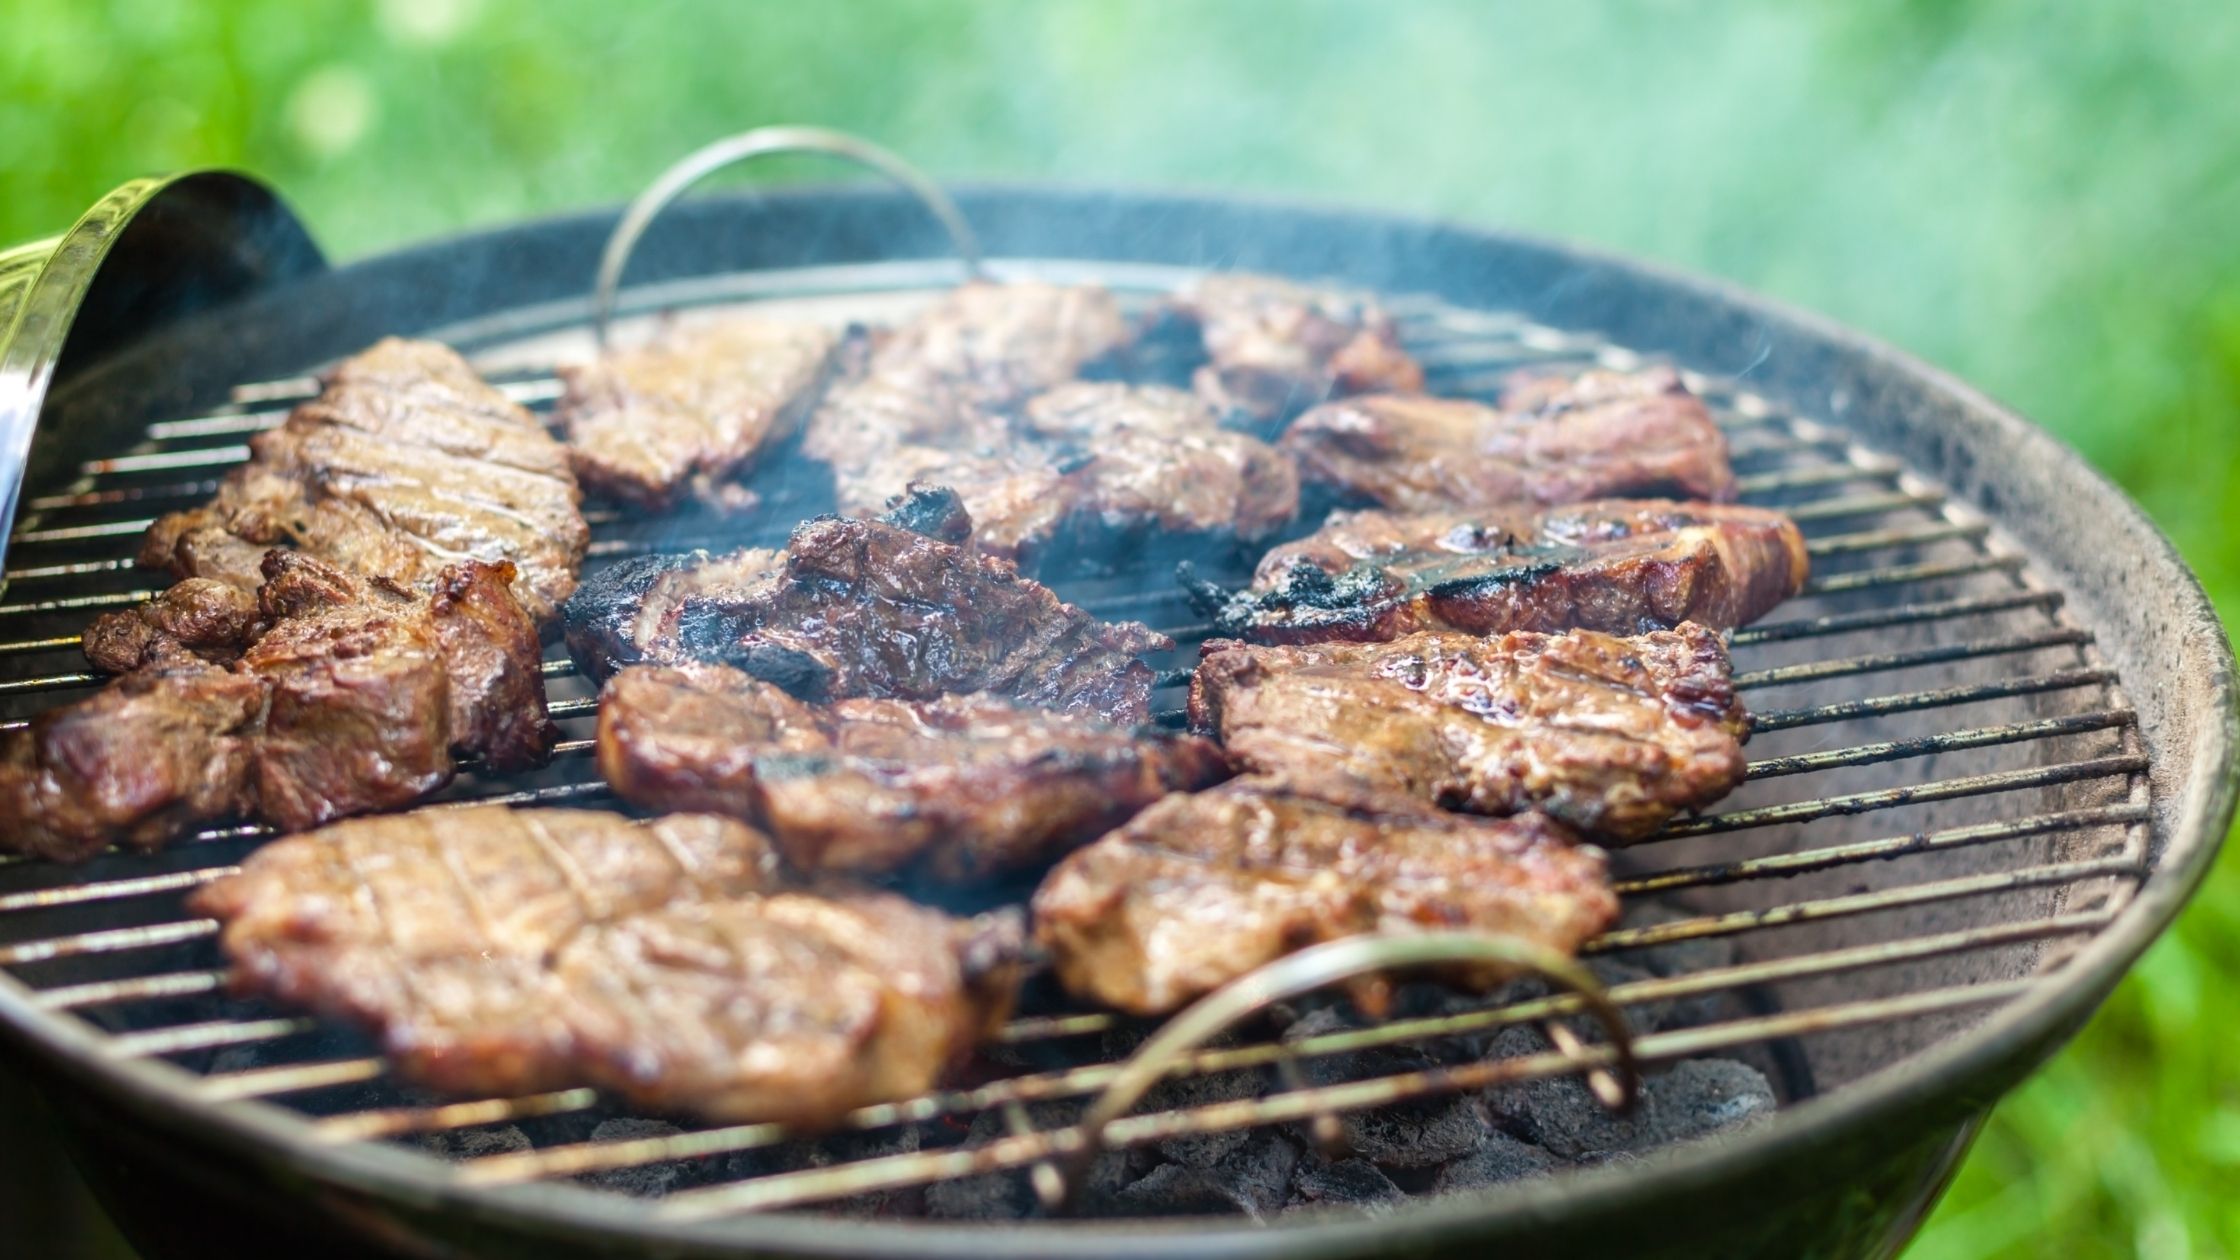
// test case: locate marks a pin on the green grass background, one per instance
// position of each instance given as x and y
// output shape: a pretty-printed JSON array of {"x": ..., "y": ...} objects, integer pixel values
[{"x": 2044, "y": 198}]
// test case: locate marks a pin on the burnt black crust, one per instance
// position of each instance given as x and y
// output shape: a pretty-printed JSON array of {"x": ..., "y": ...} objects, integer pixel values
[{"x": 598, "y": 617}]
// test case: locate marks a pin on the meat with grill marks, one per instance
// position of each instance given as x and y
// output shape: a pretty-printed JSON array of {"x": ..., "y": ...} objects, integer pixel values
[
  {"x": 406, "y": 464},
  {"x": 357, "y": 609},
  {"x": 869, "y": 608},
  {"x": 1087, "y": 467},
  {"x": 1274, "y": 348},
  {"x": 672, "y": 961},
  {"x": 997, "y": 345},
  {"x": 346, "y": 698},
  {"x": 1200, "y": 889},
  {"x": 960, "y": 787},
  {"x": 152, "y": 753},
  {"x": 692, "y": 410},
  {"x": 1604, "y": 433},
  {"x": 1616, "y": 565},
  {"x": 1611, "y": 735}
]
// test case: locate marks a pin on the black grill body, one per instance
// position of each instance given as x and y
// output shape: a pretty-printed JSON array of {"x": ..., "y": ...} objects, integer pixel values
[{"x": 1847, "y": 1172}]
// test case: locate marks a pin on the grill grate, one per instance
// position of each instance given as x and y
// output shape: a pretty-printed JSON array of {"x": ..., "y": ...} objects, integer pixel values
[{"x": 1948, "y": 799}]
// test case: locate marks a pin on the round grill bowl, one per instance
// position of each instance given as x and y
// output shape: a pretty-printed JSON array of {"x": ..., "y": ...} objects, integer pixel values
[{"x": 2004, "y": 516}]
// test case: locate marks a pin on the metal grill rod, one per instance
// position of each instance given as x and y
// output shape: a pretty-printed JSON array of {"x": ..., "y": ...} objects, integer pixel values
[
  {"x": 592, "y": 1156},
  {"x": 1705, "y": 927},
  {"x": 791, "y": 1189}
]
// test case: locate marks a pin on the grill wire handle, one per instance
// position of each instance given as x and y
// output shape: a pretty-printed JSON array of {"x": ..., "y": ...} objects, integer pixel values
[
  {"x": 1313, "y": 968},
  {"x": 767, "y": 142}
]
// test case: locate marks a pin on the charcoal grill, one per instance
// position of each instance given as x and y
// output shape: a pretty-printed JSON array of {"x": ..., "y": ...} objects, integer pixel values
[{"x": 1992, "y": 758}]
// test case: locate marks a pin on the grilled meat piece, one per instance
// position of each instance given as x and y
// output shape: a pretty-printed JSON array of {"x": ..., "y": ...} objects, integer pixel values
[
  {"x": 697, "y": 407},
  {"x": 212, "y": 619},
  {"x": 1616, "y": 565},
  {"x": 356, "y": 711},
  {"x": 1604, "y": 434},
  {"x": 1146, "y": 456},
  {"x": 964, "y": 786},
  {"x": 407, "y": 463},
  {"x": 350, "y": 698},
  {"x": 868, "y": 608},
  {"x": 1611, "y": 735},
  {"x": 1018, "y": 497},
  {"x": 1101, "y": 463},
  {"x": 160, "y": 749},
  {"x": 1275, "y": 348},
  {"x": 502, "y": 951},
  {"x": 996, "y": 345},
  {"x": 1200, "y": 889}
]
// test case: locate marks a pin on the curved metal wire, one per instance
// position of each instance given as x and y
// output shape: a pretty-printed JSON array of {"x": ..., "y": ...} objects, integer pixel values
[
  {"x": 765, "y": 142},
  {"x": 1315, "y": 968}
]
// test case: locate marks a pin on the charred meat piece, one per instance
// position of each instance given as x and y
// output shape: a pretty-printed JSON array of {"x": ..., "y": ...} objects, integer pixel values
[
  {"x": 1611, "y": 735},
  {"x": 1017, "y": 494},
  {"x": 160, "y": 749},
  {"x": 209, "y": 618},
  {"x": 996, "y": 345},
  {"x": 350, "y": 698},
  {"x": 962, "y": 786},
  {"x": 1274, "y": 348},
  {"x": 1100, "y": 464},
  {"x": 1606, "y": 434},
  {"x": 695, "y": 408},
  {"x": 500, "y": 951},
  {"x": 1200, "y": 889},
  {"x": 1616, "y": 565},
  {"x": 1143, "y": 456},
  {"x": 406, "y": 464},
  {"x": 868, "y": 608}
]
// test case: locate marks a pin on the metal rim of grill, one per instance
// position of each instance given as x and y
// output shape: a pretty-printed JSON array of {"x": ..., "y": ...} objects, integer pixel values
[{"x": 1894, "y": 552}]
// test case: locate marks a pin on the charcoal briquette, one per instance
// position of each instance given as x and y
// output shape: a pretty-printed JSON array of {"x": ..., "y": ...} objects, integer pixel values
[{"x": 1497, "y": 1159}]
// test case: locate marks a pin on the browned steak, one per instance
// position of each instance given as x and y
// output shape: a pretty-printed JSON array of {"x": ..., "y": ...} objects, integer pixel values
[
  {"x": 407, "y": 463},
  {"x": 1200, "y": 889},
  {"x": 350, "y": 698},
  {"x": 1612, "y": 735},
  {"x": 501, "y": 951},
  {"x": 1616, "y": 565},
  {"x": 694, "y": 408},
  {"x": 212, "y": 619},
  {"x": 868, "y": 608},
  {"x": 1274, "y": 348},
  {"x": 1100, "y": 464},
  {"x": 1604, "y": 434},
  {"x": 961, "y": 786},
  {"x": 160, "y": 749},
  {"x": 996, "y": 345},
  {"x": 1142, "y": 456}
]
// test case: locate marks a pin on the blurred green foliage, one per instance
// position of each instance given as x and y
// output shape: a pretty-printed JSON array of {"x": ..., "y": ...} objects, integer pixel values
[{"x": 2045, "y": 199}]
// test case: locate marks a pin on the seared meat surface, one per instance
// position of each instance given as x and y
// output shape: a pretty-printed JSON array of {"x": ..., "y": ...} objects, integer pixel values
[
  {"x": 1099, "y": 463},
  {"x": 996, "y": 345},
  {"x": 1144, "y": 457},
  {"x": 347, "y": 698},
  {"x": 960, "y": 786},
  {"x": 1200, "y": 889},
  {"x": 1611, "y": 735},
  {"x": 160, "y": 749},
  {"x": 499, "y": 951},
  {"x": 868, "y": 608},
  {"x": 406, "y": 464},
  {"x": 1616, "y": 565},
  {"x": 693, "y": 409},
  {"x": 212, "y": 619},
  {"x": 1274, "y": 348},
  {"x": 1603, "y": 434}
]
